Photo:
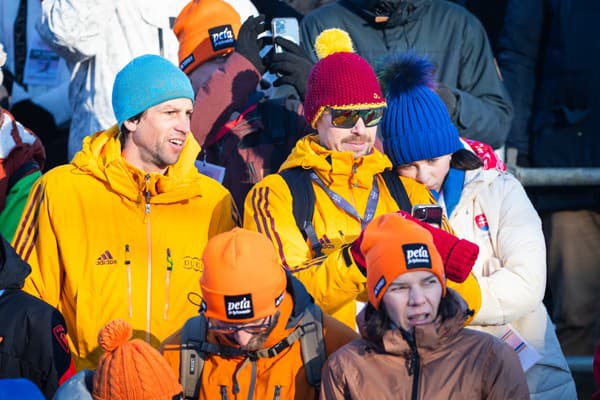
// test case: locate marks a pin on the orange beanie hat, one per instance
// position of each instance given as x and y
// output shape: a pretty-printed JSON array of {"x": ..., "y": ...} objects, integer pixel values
[
  {"x": 243, "y": 279},
  {"x": 392, "y": 246},
  {"x": 208, "y": 28},
  {"x": 131, "y": 370}
]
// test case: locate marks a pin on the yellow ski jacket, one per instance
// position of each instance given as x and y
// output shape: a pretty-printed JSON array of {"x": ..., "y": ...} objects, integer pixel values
[
  {"x": 333, "y": 280},
  {"x": 106, "y": 240}
]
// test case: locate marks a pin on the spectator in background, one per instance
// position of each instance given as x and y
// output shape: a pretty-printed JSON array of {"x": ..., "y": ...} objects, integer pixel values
[
  {"x": 551, "y": 66},
  {"x": 484, "y": 204},
  {"x": 119, "y": 232},
  {"x": 414, "y": 344},
  {"x": 21, "y": 160},
  {"x": 97, "y": 39},
  {"x": 490, "y": 13},
  {"x": 36, "y": 78},
  {"x": 241, "y": 133},
  {"x": 33, "y": 335},
  {"x": 454, "y": 40},
  {"x": 128, "y": 370}
]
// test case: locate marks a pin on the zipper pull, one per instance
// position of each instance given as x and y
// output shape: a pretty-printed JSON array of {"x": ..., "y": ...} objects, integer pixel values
[
  {"x": 129, "y": 283},
  {"x": 168, "y": 283},
  {"x": 147, "y": 194},
  {"x": 277, "y": 392}
]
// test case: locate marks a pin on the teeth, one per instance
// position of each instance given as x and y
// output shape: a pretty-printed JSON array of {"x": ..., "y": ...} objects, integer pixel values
[{"x": 176, "y": 141}]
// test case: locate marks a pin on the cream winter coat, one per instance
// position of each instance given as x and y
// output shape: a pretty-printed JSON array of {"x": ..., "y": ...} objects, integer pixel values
[{"x": 495, "y": 212}]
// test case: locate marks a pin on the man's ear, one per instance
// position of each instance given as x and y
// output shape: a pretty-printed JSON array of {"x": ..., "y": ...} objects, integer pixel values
[{"x": 130, "y": 124}]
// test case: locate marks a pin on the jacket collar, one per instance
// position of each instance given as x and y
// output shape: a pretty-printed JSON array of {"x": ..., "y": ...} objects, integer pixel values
[
  {"x": 431, "y": 337},
  {"x": 101, "y": 158},
  {"x": 406, "y": 11},
  {"x": 336, "y": 167}
]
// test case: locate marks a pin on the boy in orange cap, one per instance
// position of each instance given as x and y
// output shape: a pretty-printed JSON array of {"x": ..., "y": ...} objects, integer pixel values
[{"x": 261, "y": 336}]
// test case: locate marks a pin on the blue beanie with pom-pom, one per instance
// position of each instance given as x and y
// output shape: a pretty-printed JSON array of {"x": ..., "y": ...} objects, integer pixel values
[
  {"x": 416, "y": 125},
  {"x": 146, "y": 81}
]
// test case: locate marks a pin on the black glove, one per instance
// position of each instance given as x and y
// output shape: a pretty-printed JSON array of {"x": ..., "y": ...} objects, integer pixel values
[
  {"x": 292, "y": 65},
  {"x": 448, "y": 98},
  {"x": 248, "y": 44}
]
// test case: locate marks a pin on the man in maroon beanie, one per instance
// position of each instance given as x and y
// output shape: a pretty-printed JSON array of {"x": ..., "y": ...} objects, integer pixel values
[{"x": 342, "y": 182}]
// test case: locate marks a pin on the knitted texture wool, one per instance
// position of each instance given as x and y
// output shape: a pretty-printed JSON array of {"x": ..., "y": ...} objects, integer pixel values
[
  {"x": 416, "y": 125},
  {"x": 340, "y": 79},
  {"x": 208, "y": 28},
  {"x": 146, "y": 81},
  {"x": 131, "y": 370},
  {"x": 393, "y": 245},
  {"x": 243, "y": 279}
]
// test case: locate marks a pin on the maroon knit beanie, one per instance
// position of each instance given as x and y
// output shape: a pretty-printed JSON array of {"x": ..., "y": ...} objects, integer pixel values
[{"x": 340, "y": 79}]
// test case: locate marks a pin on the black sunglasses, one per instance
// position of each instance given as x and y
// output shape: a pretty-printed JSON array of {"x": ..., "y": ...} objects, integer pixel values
[{"x": 349, "y": 118}]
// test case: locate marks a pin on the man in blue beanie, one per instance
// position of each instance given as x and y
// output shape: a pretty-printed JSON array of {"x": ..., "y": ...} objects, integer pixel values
[{"x": 120, "y": 231}]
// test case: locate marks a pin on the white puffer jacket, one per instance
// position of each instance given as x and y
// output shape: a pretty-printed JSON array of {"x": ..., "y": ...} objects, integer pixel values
[
  {"x": 52, "y": 96},
  {"x": 99, "y": 37},
  {"x": 495, "y": 212}
]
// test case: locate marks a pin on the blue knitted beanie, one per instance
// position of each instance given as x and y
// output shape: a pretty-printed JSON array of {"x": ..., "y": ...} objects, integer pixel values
[
  {"x": 146, "y": 81},
  {"x": 416, "y": 125}
]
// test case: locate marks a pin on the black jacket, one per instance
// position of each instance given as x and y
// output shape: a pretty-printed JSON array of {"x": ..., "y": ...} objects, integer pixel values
[
  {"x": 451, "y": 37},
  {"x": 33, "y": 342},
  {"x": 550, "y": 58}
]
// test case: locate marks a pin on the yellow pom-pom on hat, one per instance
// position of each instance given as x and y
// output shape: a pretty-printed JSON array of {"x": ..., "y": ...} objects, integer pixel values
[
  {"x": 332, "y": 41},
  {"x": 340, "y": 79}
]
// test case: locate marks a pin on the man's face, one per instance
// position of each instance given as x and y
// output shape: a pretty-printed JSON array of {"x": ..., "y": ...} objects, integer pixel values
[
  {"x": 359, "y": 139},
  {"x": 413, "y": 299},
  {"x": 156, "y": 140},
  {"x": 203, "y": 72},
  {"x": 248, "y": 336},
  {"x": 430, "y": 173}
]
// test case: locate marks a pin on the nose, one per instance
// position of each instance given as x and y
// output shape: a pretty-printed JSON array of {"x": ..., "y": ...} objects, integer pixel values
[
  {"x": 242, "y": 337},
  {"x": 422, "y": 175},
  {"x": 359, "y": 128},
  {"x": 183, "y": 123},
  {"x": 416, "y": 296}
]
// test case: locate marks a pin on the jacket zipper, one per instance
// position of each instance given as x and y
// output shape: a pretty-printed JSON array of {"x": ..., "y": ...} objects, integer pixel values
[
  {"x": 223, "y": 392},
  {"x": 277, "y": 392},
  {"x": 168, "y": 282},
  {"x": 414, "y": 367},
  {"x": 149, "y": 269}
]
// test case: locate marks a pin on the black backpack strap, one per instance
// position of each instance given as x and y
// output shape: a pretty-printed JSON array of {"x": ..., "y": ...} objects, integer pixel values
[
  {"x": 397, "y": 190},
  {"x": 193, "y": 335},
  {"x": 303, "y": 204},
  {"x": 312, "y": 344}
]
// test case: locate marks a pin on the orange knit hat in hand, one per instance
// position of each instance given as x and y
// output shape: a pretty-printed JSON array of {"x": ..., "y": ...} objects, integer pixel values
[
  {"x": 243, "y": 279},
  {"x": 131, "y": 370},
  {"x": 393, "y": 245}
]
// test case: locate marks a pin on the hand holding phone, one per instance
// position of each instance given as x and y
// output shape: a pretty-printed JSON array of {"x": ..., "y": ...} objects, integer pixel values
[{"x": 429, "y": 213}]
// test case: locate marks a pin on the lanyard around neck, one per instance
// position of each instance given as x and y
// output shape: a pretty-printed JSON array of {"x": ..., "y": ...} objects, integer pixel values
[{"x": 349, "y": 208}]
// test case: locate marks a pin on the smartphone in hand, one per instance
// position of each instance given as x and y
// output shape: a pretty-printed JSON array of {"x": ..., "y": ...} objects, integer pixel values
[
  {"x": 430, "y": 213},
  {"x": 287, "y": 28}
]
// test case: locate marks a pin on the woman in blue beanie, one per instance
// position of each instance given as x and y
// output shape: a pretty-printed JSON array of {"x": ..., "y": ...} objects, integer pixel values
[{"x": 485, "y": 205}]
